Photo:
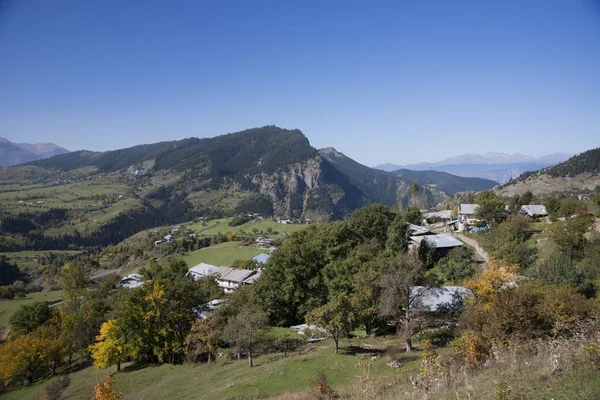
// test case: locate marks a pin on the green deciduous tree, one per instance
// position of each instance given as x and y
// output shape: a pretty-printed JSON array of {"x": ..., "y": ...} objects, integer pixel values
[
  {"x": 245, "y": 330},
  {"x": 336, "y": 317},
  {"x": 29, "y": 316},
  {"x": 491, "y": 208}
]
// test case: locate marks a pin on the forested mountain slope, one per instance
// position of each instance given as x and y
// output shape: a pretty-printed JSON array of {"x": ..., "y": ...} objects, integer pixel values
[
  {"x": 578, "y": 173},
  {"x": 85, "y": 198},
  {"x": 447, "y": 183}
]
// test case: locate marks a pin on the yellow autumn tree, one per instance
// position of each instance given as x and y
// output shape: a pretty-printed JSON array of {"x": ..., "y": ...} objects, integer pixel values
[
  {"x": 109, "y": 348},
  {"x": 104, "y": 390},
  {"x": 24, "y": 357},
  {"x": 488, "y": 282}
]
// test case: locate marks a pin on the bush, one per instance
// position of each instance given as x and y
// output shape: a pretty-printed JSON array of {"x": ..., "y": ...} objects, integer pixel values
[
  {"x": 321, "y": 389},
  {"x": 7, "y": 292}
]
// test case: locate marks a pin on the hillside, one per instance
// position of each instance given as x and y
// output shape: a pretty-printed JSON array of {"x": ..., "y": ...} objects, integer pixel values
[
  {"x": 86, "y": 198},
  {"x": 447, "y": 183},
  {"x": 379, "y": 186},
  {"x": 20, "y": 153},
  {"x": 578, "y": 174}
]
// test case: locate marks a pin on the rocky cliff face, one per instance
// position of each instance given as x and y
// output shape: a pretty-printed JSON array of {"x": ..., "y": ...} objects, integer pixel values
[{"x": 290, "y": 188}]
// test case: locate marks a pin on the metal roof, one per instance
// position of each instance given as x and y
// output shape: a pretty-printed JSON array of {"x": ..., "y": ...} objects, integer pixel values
[
  {"x": 533, "y": 210},
  {"x": 432, "y": 298},
  {"x": 261, "y": 258},
  {"x": 252, "y": 278},
  {"x": 467, "y": 208},
  {"x": 237, "y": 275},
  {"x": 203, "y": 269},
  {"x": 438, "y": 241},
  {"x": 417, "y": 230}
]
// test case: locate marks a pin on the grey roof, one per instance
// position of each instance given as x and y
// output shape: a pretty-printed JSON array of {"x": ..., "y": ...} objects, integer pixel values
[
  {"x": 443, "y": 214},
  {"x": 237, "y": 274},
  {"x": 533, "y": 210},
  {"x": 261, "y": 258},
  {"x": 467, "y": 208},
  {"x": 438, "y": 241},
  {"x": 202, "y": 270},
  {"x": 203, "y": 310},
  {"x": 431, "y": 298},
  {"x": 417, "y": 230},
  {"x": 252, "y": 278}
]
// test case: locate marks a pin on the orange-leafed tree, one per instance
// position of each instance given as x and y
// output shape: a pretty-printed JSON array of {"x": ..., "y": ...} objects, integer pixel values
[
  {"x": 496, "y": 276},
  {"x": 104, "y": 390}
]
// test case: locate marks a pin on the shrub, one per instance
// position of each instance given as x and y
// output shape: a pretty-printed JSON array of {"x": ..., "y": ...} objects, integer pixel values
[{"x": 321, "y": 389}]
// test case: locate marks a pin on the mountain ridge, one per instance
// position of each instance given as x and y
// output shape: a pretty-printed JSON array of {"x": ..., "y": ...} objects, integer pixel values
[{"x": 20, "y": 153}]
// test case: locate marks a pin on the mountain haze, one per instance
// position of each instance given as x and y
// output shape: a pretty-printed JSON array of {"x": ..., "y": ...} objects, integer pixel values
[
  {"x": 20, "y": 153},
  {"x": 499, "y": 167}
]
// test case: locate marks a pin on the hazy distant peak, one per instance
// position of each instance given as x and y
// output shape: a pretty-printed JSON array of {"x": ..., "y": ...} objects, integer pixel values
[{"x": 19, "y": 153}]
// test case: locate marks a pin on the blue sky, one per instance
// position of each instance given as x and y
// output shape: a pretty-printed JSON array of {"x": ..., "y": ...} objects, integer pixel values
[{"x": 398, "y": 81}]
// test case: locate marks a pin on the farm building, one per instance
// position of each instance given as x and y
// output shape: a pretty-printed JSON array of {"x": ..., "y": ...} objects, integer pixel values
[
  {"x": 533, "y": 210},
  {"x": 132, "y": 281},
  {"x": 261, "y": 258},
  {"x": 227, "y": 278},
  {"x": 442, "y": 242}
]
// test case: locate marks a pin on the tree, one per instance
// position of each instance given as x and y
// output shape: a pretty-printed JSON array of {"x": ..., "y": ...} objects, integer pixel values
[
  {"x": 109, "y": 348},
  {"x": 8, "y": 272},
  {"x": 372, "y": 222},
  {"x": 72, "y": 277},
  {"x": 244, "y": 330},
  {"x": 24, "y": 357},
  {"x": 204, "y": 339},
  {"x": 104, "y": 390},
  {"x": 458, "y": 266},
  {"x": 366, "y": 294},
  {"x": 398, "y": 299},
  {"x": 336, "y": 317},
  {"x": 552, "y": 205},
  {"x": 413, "y": 215},
  {"x": 398, "y": 235},
  {"x": 29, "y": 316},
  {"x": 491, "y": 208},
  {"x": 414, "y": 190},
  {"x": 568, "y": 235},
  {"x": 497, "y": 276}
]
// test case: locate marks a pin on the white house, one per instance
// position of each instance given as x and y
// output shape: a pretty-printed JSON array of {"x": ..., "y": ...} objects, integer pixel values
[
  {"x": 227, "y": 278},
  {"x": 533, "y": 210},
  {"x": 466, "y": 215},
  {"x": 132, "y": 281}
]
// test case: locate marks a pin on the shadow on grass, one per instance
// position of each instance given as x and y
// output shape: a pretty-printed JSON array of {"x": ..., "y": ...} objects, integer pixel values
[
  {"x": 137, "y": 366},
  {"x": 356, "y": 350}
]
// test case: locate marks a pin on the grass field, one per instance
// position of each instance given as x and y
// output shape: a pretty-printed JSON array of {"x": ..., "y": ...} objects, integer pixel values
[
  {"x": 223, "y": 254},
  {"x": 216, "y": 226},
  {"x": 8, "y": 307},
  {"x": 272, "y": 375}
]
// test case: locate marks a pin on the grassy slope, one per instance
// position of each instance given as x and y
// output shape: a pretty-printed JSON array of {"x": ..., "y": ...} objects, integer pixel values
[
  {"x": 222, "y": 226},
  {"x": 8, "y": 307},
  {"x": 222, "y": 254},
  {"x": 271, "y": 376}
]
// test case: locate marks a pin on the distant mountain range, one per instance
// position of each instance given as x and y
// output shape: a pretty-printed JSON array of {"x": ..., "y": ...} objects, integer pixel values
[
  {"x": 20, "y": 153},
  {"x": 499, "y": 167}
]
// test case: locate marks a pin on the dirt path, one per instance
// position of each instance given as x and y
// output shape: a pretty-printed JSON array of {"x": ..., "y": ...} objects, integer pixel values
[{"x": 471, "y": 242}]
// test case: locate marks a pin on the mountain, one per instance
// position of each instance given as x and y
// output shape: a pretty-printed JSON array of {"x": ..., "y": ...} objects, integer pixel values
[
  {"x": 100, "y": 198},
  {"x": 577, "y": 174},
  {"x": 499, "y": 167},
  {"x": 447, "y": 183},
  {"x": 20, "y": 153}
]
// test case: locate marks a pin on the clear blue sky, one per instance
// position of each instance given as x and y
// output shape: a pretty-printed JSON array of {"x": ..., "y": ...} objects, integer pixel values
[{"x": 398, "y": 81}]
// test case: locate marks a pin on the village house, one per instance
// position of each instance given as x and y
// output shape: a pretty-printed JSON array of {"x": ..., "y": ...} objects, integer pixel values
[
  {"x": 228, "y": 279},
  {"x": 261, "y": 258},
  {"x": 533, "y": 210},
  {"x": 416, "y": 230},
  {"x": 442, "y": 242},
  {"x": 132, "y": 281},
  {"x": 467, "y": 215}
]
